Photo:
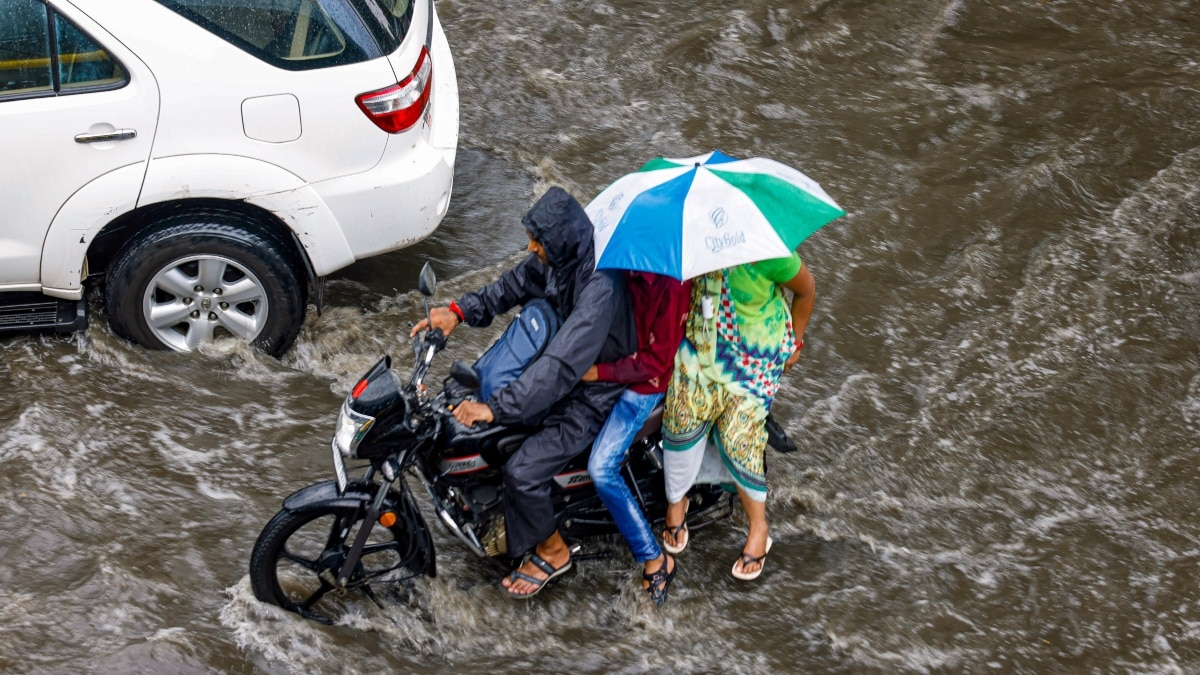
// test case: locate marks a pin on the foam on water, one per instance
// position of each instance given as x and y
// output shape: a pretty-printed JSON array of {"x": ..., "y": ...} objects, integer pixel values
[{"x": 997, "y": 408}]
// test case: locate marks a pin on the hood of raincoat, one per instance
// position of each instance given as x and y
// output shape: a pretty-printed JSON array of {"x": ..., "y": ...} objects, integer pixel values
[{"x": 559, "y": 224}]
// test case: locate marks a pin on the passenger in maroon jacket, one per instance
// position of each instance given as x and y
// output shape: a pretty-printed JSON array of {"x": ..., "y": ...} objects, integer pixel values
[{"x": 660, "y": 308}]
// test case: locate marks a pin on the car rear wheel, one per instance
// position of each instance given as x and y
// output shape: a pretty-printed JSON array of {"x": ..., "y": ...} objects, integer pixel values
[{"x": 200, "y": 277}]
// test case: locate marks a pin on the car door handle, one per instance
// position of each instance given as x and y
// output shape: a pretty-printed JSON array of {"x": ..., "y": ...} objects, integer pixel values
[{"x": 117, "y": 135}]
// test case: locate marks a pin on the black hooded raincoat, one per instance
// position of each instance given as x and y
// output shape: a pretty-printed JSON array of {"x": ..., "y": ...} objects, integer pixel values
[{"x": 597, "y": 327}]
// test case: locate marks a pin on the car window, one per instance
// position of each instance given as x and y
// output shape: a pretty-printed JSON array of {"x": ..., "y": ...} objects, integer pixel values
[
  {"x": 292, "y": 34},
  {"x": 81, "y": 62},
  {"x": 31, "y": 64},
  {"x": 24, "y": 48}
]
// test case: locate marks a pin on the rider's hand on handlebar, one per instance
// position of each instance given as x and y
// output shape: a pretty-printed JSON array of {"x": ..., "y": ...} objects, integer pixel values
[
  {"x": 442, "y": 317},
  {"x": 470, "y": 412}
]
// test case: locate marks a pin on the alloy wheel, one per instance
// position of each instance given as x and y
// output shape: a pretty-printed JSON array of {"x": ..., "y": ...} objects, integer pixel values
[{"x": 201, "y": 297}]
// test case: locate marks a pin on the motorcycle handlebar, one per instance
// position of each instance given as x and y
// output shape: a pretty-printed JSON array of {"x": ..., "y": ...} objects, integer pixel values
[{"x": 435, "y": 337}]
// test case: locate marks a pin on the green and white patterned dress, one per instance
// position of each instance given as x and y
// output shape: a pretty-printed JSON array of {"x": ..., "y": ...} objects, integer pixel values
[{"x": 727, "y": 371}]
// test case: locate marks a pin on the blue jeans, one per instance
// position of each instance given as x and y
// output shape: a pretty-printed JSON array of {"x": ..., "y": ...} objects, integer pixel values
[{"x": 608, "y": 454}]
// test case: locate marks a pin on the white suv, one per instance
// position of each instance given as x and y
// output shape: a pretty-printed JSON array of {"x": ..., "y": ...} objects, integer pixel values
[{"x": 213, "y": 160}]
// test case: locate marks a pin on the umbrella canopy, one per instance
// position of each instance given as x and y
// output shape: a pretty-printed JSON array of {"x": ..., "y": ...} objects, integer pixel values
[{"x": 686, "y": 217}]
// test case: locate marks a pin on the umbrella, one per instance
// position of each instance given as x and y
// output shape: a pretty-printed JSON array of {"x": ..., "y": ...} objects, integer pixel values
[{"x": 685, "y": 217}]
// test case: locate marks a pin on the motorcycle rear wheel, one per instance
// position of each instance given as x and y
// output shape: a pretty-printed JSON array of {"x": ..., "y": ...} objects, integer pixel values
[{"x": 297, "y": 547}]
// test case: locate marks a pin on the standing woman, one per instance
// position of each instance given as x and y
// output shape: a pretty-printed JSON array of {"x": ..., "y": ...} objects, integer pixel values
[{"x": 739, "y": 342}]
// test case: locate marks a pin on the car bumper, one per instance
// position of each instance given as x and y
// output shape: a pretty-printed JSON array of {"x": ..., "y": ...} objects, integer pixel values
[{"x": 402, "y": 199}]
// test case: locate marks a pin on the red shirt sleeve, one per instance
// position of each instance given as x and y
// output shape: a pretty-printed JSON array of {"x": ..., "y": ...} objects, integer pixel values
[{"x": 655, "y": 356}]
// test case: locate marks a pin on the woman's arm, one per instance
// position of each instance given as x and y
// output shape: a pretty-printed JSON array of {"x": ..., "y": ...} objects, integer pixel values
[{"x": 803, "y": 290}]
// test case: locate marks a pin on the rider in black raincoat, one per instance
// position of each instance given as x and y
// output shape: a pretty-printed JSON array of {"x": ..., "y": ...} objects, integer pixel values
[{"x": 597, "y": 326}]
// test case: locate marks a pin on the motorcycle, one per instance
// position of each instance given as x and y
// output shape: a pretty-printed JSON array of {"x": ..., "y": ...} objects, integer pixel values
[{"x": 355, "y": 533}]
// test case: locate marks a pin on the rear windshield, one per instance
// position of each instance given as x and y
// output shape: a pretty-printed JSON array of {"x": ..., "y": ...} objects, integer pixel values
[
  {"x": 303, "y": 34},
  {"x": 389, "y": 19}
]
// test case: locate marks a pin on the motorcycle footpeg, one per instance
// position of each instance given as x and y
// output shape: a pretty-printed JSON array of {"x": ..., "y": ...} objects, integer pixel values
[
  {"x": 578, "y": 552},
  {"x": 597, "y": 555}
]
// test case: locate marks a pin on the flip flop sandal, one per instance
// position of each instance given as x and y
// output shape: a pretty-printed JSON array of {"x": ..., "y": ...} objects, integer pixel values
[
  {"x": 747, "y": 559},
  {"x": 544, "y": 566},
  {"x": 660, "y": 581},
  {"x": 678, "y": 532}
]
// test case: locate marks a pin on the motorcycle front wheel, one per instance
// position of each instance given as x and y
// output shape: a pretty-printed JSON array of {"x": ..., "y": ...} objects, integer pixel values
[{"x": 299, "y": 555}]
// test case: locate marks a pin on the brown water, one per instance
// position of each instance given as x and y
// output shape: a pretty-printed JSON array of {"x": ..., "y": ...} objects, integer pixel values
[{"x": 998, "y": 406}]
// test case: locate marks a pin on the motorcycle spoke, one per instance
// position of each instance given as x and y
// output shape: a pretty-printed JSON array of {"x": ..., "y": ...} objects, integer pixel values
[
  {"x": 339, "y": 525},
  {"x": 363, "y": 581},
  {"x": 379, "y": 548},
  {"x": 316, "y": 596},
  {"x": 310, "y": 565},
  {"x": 368, "y": 571}
]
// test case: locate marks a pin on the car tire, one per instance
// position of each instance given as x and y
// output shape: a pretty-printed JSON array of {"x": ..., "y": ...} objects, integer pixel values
[{"x": 198, "y": 276}]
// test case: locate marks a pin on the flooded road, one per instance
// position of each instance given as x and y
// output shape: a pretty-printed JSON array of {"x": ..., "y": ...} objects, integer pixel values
[{"x": 998, "y": 407}]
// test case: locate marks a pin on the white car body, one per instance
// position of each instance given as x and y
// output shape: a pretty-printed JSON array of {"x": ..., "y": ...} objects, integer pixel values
[{"x": 212, "y": 122}]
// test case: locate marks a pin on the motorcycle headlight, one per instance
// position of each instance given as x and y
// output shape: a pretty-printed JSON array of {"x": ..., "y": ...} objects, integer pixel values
[{"x": 351, "y": 428}]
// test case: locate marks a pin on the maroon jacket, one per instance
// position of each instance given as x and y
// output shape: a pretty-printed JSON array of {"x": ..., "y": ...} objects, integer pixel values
[{"x": 660, "y": 309}]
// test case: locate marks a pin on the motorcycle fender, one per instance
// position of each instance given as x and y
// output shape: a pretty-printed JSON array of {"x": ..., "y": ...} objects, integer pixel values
[{"x": 325, "y": 494}]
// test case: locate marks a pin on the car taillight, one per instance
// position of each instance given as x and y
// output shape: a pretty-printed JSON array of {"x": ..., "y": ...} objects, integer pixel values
[{"x": 398, "y": 107}]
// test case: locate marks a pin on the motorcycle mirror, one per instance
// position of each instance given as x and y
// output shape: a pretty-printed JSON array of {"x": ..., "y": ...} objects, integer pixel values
[
  {"x": 465, "y": 375},
  {"x": 427, "y": 282}
]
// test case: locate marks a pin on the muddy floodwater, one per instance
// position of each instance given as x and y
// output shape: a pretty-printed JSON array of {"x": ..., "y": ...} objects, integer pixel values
[{"x": 997, "y": 409}]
